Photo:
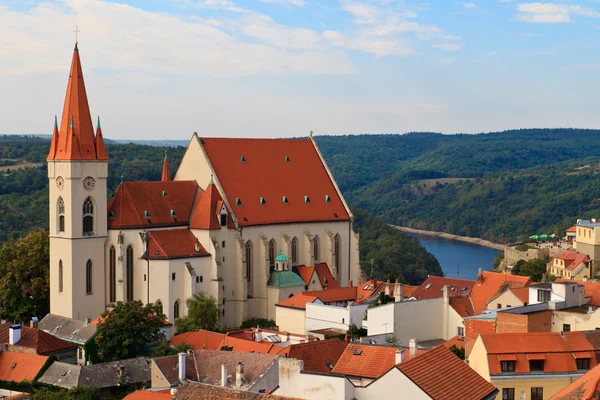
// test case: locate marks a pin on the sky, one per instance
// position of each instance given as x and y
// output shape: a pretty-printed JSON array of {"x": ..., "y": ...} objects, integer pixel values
[{"x": 163, "y": 69}]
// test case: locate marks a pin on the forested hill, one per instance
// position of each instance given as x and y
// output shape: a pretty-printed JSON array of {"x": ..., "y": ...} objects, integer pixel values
[{"x": 500, "y": 186}]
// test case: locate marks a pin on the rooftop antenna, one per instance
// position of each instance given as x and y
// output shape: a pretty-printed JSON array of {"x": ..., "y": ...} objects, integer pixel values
[{"x": 76, "y": 36}]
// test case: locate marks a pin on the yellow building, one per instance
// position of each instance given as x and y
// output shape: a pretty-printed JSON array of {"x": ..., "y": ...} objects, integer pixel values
[
  {"x": 570, "y": 265},
  {"x": 531, "y": 366}
]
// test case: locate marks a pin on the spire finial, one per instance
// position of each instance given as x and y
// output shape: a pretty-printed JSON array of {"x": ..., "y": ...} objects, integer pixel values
[
  {"x": 55, "y": 122},
  {"x": 212, "y": 182},
  {"x": 98, "y": 127},
  {"x": 310, "y": 134},
  {"x": 166, "y": 158},
  {"x": 76, "y": 36}
]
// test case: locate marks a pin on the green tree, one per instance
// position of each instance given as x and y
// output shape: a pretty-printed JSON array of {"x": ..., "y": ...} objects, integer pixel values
[
  {"x": 82, "y": 393},
  {"x": 459, "y": 352},
  {"x": 535, "y": 269},
  {"x": 24, "y": 277},
  {"x": 203, "y": 313},
  {"x": 393, "y": 340},
  {"x": 164, "y": 348},
  {"x": 261, "y": 322},
  {"x": 498, "y": 261},
  {"x": 127, "y": 329}
]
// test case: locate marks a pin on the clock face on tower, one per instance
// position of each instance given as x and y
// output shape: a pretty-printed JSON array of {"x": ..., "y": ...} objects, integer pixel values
[
  {"x": 60, "y": 183},
  {"x": 89, "y": 183}
]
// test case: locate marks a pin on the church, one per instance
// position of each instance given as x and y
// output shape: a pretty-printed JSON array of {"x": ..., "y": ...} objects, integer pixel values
[{"x": 235, "y": 221}]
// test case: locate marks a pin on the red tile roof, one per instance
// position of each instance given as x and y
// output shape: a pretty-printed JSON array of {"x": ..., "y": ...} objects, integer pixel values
[
  {"x": 298, "y": 301},
  {"x": 458, "y": 341},
  {"x": 324, "y": 274},
  {"x": 195, "y": 391},
  {"x": 572, "y": 259},
  {"x": 201, "y": 340},
  {"x": 173, "y": 243},
  {"x": 367, "y": 289},
  {"x": 20, "y": 366},
  {"x": 491, "y": 284},
  {"x": 128, "y": 207},
  {"x": 149, "y": 395},
  {"x": 590, "y": 289},
  {"x": 334, "y": 295},
  {"x": 76, "y": 140},
  {"x": 432, "y": 287},
  {"x": 207, "y": 209},
  {"x": 444, "y": 376},
  {"x": 372, "y": 362},
  {"x": 521, "y": 293},
  {"x": 587, "y": 387},
  {"x": 166, "y": 173},
  {"x": 244, "y": 345},
  {"x": 559, "y": 350},
  {"x": 44, "y": 343},
  {"x": 306, "y": 273},
  {"x": 462, "y": 305},
  {"x": 316, "y": 355},
  {"x": 272, "y": 169},
  {"x": 572, "y": 229}
]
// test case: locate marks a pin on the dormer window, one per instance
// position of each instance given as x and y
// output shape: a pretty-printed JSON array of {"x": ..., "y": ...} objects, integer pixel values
[
  {"x": 285, "y": 200},
  {"x": 173, "y": 213},
  {"x": 146, "y": 214},
  {"x": 507, "y": 366},
  {"x": 327, "y": 199},
  {"x": 536, "y": 365},
  {"x": 287, "y": 159},
  {"x": 307, "y": 199},
  {"x": 238, "y": 202},
  {"x": 242, "y": 159},
  {"x": 262, "y": 201}
]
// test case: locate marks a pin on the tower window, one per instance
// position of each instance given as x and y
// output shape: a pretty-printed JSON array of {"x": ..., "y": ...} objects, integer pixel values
[
  {"x": 112, "y": 274},
  {"x": 60, "y": 276},
  {"x": 129, "y": 273},
  {"x": 88, "y": 277},
  {"x": 176, "y": 309},
  {"x": 295, "y": 251},
  {"x": 173, "y": 276},
  {"x": 316, "y": 249},
  {"x": 223, "y": 219},
  {"x": 272, "y": 246},
  {"x": 88, "y": 216},
  {"x": 61, "y": 214}
]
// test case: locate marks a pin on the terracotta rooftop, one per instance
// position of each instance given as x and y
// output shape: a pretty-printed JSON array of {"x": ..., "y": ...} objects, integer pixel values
[
  {"x": 324, "y": 274},
  {"x": 271, "y": 169},
  {"x": 174, "y": 243},
  {"x": 591, "y": 290},
  {"x": 334, "y": 295},
  {"x": 586, "y": 387},
  {"x": 572, "y": 229},
  {"x": 491, "y": 284},
  {"x": 432, "y": 287},
  {"x": 298, "y": 301},
  {"x": 462, "y": 305},
  {"x": 235, "y": 344},
  {"x": 166, "y": 173},
  {"x": 149, "y": 395},
  {"x": 306, "y": 273},
  {"x": 458, "y": 341},
  {"x": 318, "y": 356},
  {"x": 34, "y": 338},
  {"x": 522, "y": 293},
  {"x": 200, "y": 340},
  {"x": 361, "y": 360},
  {"x": 20, "y": 366},
  {"x": 207, "y": 210},
  {"x": 444, "y": 376},
  {"x": 572, "y": 259},
  {"x": 195, "y": 391}
]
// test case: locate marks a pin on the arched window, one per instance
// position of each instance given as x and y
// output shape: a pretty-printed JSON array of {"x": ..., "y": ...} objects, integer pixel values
[
  {"x": 176, "y": 309},
  {"x": 60, "y": 276},
  {"x": 272, "y": 246},
  {"x": 316, "y": 244},
  {"x": 61, "y": 214},
  {"x": 249, "y": 262},
  {"x": 129, "y": 272},
  {"x": 294, "y": 251},
  {"x": 337, "y": 256},
  {"x": 88, "y": 216},
  {"x": 112, "y": 275},
  {"x": 88, "y": 277}
]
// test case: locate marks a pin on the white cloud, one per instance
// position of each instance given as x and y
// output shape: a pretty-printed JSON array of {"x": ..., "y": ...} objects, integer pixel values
[
  {"x": 470, "y": 5},
  {"x": 553, "y": 13},
  {"x": 379, "y": 47},
  {"x": 297, "y": 3}
]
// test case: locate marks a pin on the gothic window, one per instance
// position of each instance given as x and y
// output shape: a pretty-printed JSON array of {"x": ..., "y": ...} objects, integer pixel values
[
  {"x": 223, "y": 219},
  {"x": 60, "y": 276},
  {"x": 272, "y": 246},
  {"x": 337, "y": 256},
  {"x": 129, "y": 272},
  {"x": 176, "y": 309},
  {"x": 88, "y": 277},
  {"x": 316, "y": 253},
  {"x": 61, "y": 214},
  {"x": 88, "y": 216},
  {"x": 294, "y": 251},
  {"x": 249, "y": 261},
  {"x": 112, "y": 274}
]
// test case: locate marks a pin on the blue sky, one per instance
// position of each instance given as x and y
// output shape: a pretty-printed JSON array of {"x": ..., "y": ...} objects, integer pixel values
[{"x": 158, "y": 69}]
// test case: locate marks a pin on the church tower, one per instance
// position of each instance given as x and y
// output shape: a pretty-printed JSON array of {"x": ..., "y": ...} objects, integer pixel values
[{"x": 77, "y": 173}]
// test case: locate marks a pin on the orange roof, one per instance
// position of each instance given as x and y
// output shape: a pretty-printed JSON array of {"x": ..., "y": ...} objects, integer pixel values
[
  {"x": 458, "y": 341},
  {"x": 305, "y": 273},
  {"x": 572, "y": 259},
  {"x": 462, "y": 305},
  {"x": 324, "y": 274},
  {"x": 587, "y": 387},
  {"x": 591, "y": 290},
  {"x": 271, "y": 169},
  {"x": 244, "y": 345},
  {"x": 366, "y": 290},
  {"x": 200, "y": 340},
  {"x": 444, "y": 376},
  {"x": 149, "y": 204},
  {"x": 572, "y": 229},
  {"x": 334, "y": 295},
  {"x": 522, "y": 293},
  {"x": 366, "y": 361},
  {"x": 318, "y": 356},
  {"x": 491, "y": 284},
  {"x": 432, "y": 287},
  {"x": 149, "y": 395},
  {"x": 166, "y": 174},
  {"x": 75, "y": 140},
  {"x": 42, "y": 342},
  {"x": 174, "y": 243},
  {"x": 20, "y": 366},
  {"x": 207, "y": 209},
  {"x": 298, "y": 301}
]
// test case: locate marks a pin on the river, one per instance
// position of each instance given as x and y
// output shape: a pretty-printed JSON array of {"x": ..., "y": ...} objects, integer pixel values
[{"x": 451, "y": 253}]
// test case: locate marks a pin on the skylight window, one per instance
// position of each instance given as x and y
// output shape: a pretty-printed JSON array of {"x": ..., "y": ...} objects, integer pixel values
[
  {"x": 357, "y": 352},
  {"x": 307, "y": 199},
  {"x": 428, "y": 286},
  {"x": 327, "y": 198},
  {"x": 112, "y": 214},
  {"x": 464, "y": 289},
  {"x": 164, "y": 193},
  {"x": 452, "y": 287}
]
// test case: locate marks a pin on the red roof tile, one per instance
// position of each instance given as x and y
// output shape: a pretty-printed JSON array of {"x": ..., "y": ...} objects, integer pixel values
[
  {"x": 462, "y": 305},
  {"x": 272, "y": 169},
  {"x": 298, "y": 301},
  {"x": 572, "y": 229},
  {"x": 432, "y": 287},
  {"x": 207, "y": 209},
  {"x": 521, "y": 293},
  {"x": 334, "y": 295},
  {"x": 324, "y": 274},
  {"x": 44, "y": 343},
  {"x": 572, "y": 259},
  {"x": 173, "y": 243},
  {"x": 444, "y": 376},
  {"x": 591, "y": 290},
  {"x": 365, "y": 361},
  {"x": 367, "y": 289},
  {"x": 458, "y": 341},
  {"x": 201, "y": 340},
  {"x": 244, "y": 345},
  {"x": 195, "y": 391},
  {"x": 149, "y": 204},
  {"x": 306, "y": 273},
  {"x": 166, "y": 173},
  {"x": 149, "y": 395},
  {"x": 491, "y": 284},
  {"x": 587, "y": 387},
  {"x": 20, "y": 366},
  {"x": 316, "y": 355}
]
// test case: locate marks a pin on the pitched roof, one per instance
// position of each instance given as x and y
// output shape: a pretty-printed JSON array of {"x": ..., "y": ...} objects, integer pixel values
[
  {"x": 317, "y": 355},
  {"x": 76, "y": 140},
  {"x": 458, "y": 341},
  {"x": 136, "y": 370},
  {"x": 166, "y": 174},
  {"x": 207, "y": 208},
  {"x": 324, "y": 274},
  {"x": 490, "y": 284},
  {"x": 173, "y": 243},
  {"x": 591, "y": 290},
  {"x": 67, "y": 328},
  {"x": 586, "y": 387},
  {"x": 149, "y": 204},
  {"x": 432, "y": 287},
  {"x": 35, "y": 338},
  {"x": 521, "y": 293},
  {"x": 298, "y": 301},
  {"x": 572, "y": 259},
  {"x": 251, "y": 169},
  {"x": 235, "y": 344},
  {"x": 306, "y": 273},
  {"x": 334, "y": 295},
  {"x": 20, "y": 366},
  {"x": 62, "y": 375},
  {"x": 572, "y": 229},
  {"x": 194, "y": 391},
  {"x": 144, "y": 394},
  {"x": 444, "y": 376},
  {"x": 462, "y": 305},
  {"x": 200, "y": 340},
  {"x": 365, "y": 361},
  {"x": 285, "y": 279}
]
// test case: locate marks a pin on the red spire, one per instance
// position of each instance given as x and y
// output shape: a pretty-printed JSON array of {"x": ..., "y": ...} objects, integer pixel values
[
  {"x": 54, "y": 141},
  {"x": 77, "y": 141},
  {"x": 100, "y": 149},
  {"x": 166, "y": 174}
]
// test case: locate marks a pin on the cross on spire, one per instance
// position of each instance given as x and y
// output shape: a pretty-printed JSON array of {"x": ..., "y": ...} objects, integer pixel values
[{"x": 76, "y": 34}]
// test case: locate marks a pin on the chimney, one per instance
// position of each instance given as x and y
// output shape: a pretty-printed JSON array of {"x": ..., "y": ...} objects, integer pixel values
[
  {"x": 34, "y": 322},
  {"x": 258, "y": 335},
  {"x": 239, "y": 374},
  {"x": 287, "y": 336},
  {"x": 14, "y": 334},
  {"x": 173, "y": 392},
  {"x": 387, "y": 288},
  {"x": 400, "y": 356},
  {"x": 181, "y": 357},
  {"x": 223, "y": 375},
  {"x": 413, "y": 346},
  {"x": 121, "y": 372},
  {"x": 445, "y": 294},
  {"x": 398, "y": 291}
]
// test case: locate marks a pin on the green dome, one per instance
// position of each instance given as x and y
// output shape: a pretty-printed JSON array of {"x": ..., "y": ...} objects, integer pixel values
[
  {"x": 285, "y": 279},
  {"x": 280, "y": 257}
]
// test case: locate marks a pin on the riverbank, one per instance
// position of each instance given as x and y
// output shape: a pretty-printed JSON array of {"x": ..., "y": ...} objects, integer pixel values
[{"x": 466, "y": 239}]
